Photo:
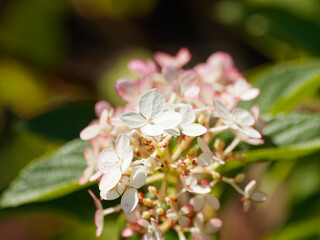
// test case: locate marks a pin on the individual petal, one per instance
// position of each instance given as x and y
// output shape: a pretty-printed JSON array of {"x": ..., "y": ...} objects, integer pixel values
[
  {"x": 110, "y": 195},
  {"x": 133, "y": 216},
  {"x": 107, "y": 159},
  {"x": 151, "y": 103},
  {"x": 151, "y": 130},
  {"x": 110, "y": 179},
  {"x": 199, "y": 220},
  {"x": 251, "y": 132},
  {"x": 127, "y": 90},
  {"x": 173, "y": 131},
  {"x": 133, "y": 119},
  {"x": 143, "y": 223},
  {"x": 184, "y": 221},
  {"x": 242, "y": 117},
  {"x": 97, "y": 202},
  {"x": 198, "y": 202},
  {"x": 127, "y": 232},
  {"x": 201, "y": 189},
  {"x": 158, "y": 234},
  {"x": 218, "y": 160},
  {"x": 193, "y": 130},
  {"x": 220, "y": 110},
  {"x": 250, "y": 94},
  {"x": 129, "y": 200},
  {"x": 139, "y": 66},
  {"x": 138, "y": 176},
  {"x": 191, "y": 92},
  {"x": 147, "y": 236},
  {"x": 203, "y": 145},
  {"x": 246, "y": 205},
  {"x": 100, "y": 106},
  {"x": 124, "y": 151},
  {"x": 213, "y": 201},
  {"x": 250, "y": 187},
  {"x": 99, "y": 217},
  {"x": 171, "y": 73},
  {"x": 186, "y": 209},
  {"x": 205, "y": 159},
  {"x": 213, "y": 225},
  {"x": 171, "y": 213},
  {"x": 189, "y": 79},
  {"x": 188, "y": 115},
  {"x": 259, "y": 197},
  {"x": 90, "y": 132},
  {"x": 168, "y": 120}
]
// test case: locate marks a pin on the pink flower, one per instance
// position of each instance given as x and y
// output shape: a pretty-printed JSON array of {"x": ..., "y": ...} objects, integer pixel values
[
  {"x": 142, "y": 67},
  {"x": 190, "y": 183},
  {"x": 182, "y": 58},
  {"x": 242, "y": 90},
  {"x": 182, "y": 216}
]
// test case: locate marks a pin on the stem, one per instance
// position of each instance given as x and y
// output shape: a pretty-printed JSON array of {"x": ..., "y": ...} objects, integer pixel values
[
  {"x": 232, "y": 146},
  {"x": 154, "y": 178},
  {"x": 233, "y": 184},
  {"x": 218, "y": 129},
  {"x": 180, "y": 234},
  {"x": 110, "y": 210},
  {"x": 185, "y": 143}
]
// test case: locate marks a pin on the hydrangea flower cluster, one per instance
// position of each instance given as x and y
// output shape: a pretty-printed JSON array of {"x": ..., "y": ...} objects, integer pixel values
[{"x": 160, "y": 152}]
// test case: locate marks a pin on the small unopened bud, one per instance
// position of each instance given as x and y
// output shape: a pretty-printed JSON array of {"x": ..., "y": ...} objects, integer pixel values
[
  {"x": 146, "y": 215},
  {"x": 160, "y": 211},
  {"x": 128, "y": 171},
  {"x": 239, "y": 178},
  {"x": 152, "y": 190},
  {"x": 147, "y": 202},
  {"x": 134, "y": 134},
  {"x": 219, "y": 144},
  {"x": 171, "y": 199},
  {"x": 202, "y": 119},
  {"x": 216, "y": 176}
]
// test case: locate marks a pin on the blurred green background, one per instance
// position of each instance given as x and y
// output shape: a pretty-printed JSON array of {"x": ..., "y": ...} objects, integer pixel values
[{"x": 57, "y": 57}]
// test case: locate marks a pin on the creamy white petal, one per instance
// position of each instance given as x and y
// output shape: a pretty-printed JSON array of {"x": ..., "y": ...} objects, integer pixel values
[
  {"x": 203, "y": 145},
  {"x": 122, "y": 144},
  {"x": 188, "y": 115},
  {"x": 147, "y": 236},
  {"x": 107, "y": 159},
  {"x": 213, "y": 225},
  {"x": 90, "y": 132},
  {"x": 250, "y": 187},
  {"x": 129, "y": 200},
  {"x": 205, "y": 159},
  {"x": 242, "y": 117},
  {"x": 151, "y": 103},
  {"x": 133, "y": 119},
  {"x": 259, "y": 197},
  {"x": 168, "y": 120},
  {"x": 151, "y": 130},
  {"x": 213, "y": 201},
  {"x": 220, "y": 110},
  {"x": 110, "y": 179},
  {"x": 158, "y": 234},
  {"x": 193, "y": 130},
  {"x": 250, "y": 132},
  {"x": 173, "y": 131},
  {"x": 138, "y": 177},
  {"x": 110, "y": 195}
]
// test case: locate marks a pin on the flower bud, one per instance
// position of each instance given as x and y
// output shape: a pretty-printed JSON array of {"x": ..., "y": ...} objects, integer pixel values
[
  {"x": 134, "y": 134},
  {"x": 152, "y": 190},
  {"x": 146, "y": 215},
  {"x": 202, "y": 119},
  {"x": 219, "y": 144},
  {"x": 216, "y": 176},
  {"x": 147, "y": 202},
  {"x": 160, "y": 211},
  {"x": 239, "y": 178},
  {"x": 171, "y": 199}
]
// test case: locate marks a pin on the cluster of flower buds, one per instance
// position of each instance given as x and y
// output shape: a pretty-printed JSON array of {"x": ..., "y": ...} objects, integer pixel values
[{"x": 160, "y": 153}]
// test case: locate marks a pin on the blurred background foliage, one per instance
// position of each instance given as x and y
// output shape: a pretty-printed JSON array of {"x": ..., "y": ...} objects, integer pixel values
[{"x": 57, "y": 57}]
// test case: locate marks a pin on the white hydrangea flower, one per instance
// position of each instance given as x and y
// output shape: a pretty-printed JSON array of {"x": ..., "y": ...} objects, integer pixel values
[
  {"x": 252, "y": 196},
  {"x": 187, "y": 126},
  {"x": 127, "y": 187},
  {"x": 153, "y": 232},
  {"x": 153, "y": 120},
  {"x": 190, "y": 183},
  {"x": 182, "y": 216},
  {"x": 206, "y": 157},
  {"x": 239, "y": 119},
  {"x": 113, "y": 163}
]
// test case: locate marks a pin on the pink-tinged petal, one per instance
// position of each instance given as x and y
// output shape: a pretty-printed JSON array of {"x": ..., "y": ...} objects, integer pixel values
[
  {"x": 171, "y": 73},
  {"x": 250, "y": 94},
  {"x": 199, "y": 220},
  {"x": 100, "y": 106},
  {"x": 203, "y": 145},
  {"x": 97, "y": 202},
  {"x": 143, "y": 223},
  {"x": 189, "y": 180},
  {"x": 206, "y": 93},
  {"x": 151, "y": 130},
  {"x": 95, "y": 176},
  {"x": 246, "y": 205},
  {"x": 184, "y": 221},
  {"x": 242, "y": 117},
  {"x": 213, "y": 225},
  {"x": 139, "y": 66},
  {"x": 188, "y": 115},
  {"x": 186, "y": 209},
  {"x": 129, "y": 200},
  {"x": 133, "y": 216},
  {"x": 110, "y": 179},
  {"x": 127, "y": 90},
  {"x": 133, "y": 119},
  {"x": 191, "y": 92},
  {"x": 127, "y": 232},
  {"x": 250, "y": 187},
  {"x": 107, "y": 159},
  {"x": 153, "y": 222},
  {"x": 220, "y": 59},
  {"x": 138, "y": 176},
  {"x": 158, "y": 234},
  {"x": 213, "y": 201},
  {"x": 147, "y": 236},
  {"x": 183, "y": 57},
  {"x": 189, "y": 79},
  {"x": 90, "y": 132},
  {"x": 220, "y": 110},
  {"x": 249, "y": 131},
  {"x": 193, "y": 130},
  {"x": 144, "y": 84},
  {"x": 171, "y": 213},
  {"x": 198, "y": 202},
  {"x": 103, "y": 121},
  {"x": 99, "y": 217},
  {"x": 168, "y": 120},
  {"x": 259, "y": 197},
  {"x": 255, "y": 112},
  {"x": 205, "y": 159},
  {"x": 151, "y": 103}
]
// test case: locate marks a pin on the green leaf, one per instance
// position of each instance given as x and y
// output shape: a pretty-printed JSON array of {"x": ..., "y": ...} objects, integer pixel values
[
  {"x": 48, "y": 177},
  {"x": 64, "y": 123},
  {"x": 282, "y": 86}
]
